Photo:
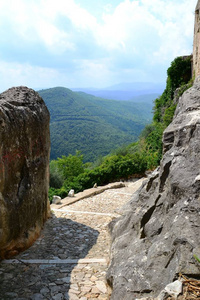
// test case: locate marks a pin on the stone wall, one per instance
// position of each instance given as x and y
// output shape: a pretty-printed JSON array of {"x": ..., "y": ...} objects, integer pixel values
[
  {"x": 24, "y": 168},
  {"x": 196, "y": 42}
]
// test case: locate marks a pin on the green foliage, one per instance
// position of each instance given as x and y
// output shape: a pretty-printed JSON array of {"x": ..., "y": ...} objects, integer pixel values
[
  {"x": 96, "y": 163},
  {"x": 123, "y": 150},
  {"x": 153, "y": 145},
  {"x": 71, "y": 166},
  {"x": 196, "y": 257},
  {"x": 147, "y": 130},
  {"x": 168, "y": 114},
  {"x": 179, "y": 74},
  {"x": 112, "y": 168},
  {"x": 185, "y": 87},
  {"x": 56, "y": 175},
  {"x": 150, "y": 144}
]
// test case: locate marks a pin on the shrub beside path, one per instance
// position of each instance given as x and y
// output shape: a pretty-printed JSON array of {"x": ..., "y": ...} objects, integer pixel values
[{"x": 70, "y": 259}]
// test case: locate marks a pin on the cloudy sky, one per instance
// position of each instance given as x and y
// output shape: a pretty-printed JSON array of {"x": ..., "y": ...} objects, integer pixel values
[{"x": 87, "y": 43}]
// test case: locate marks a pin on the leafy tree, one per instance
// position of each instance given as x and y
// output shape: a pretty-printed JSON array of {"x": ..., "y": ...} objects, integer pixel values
[
  {"x": 71, "y": 165},
  {"x": 179, "y": 72}
]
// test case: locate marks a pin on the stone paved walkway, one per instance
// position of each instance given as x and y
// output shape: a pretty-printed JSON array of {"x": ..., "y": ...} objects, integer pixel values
[{"x": 70, "y": 258}]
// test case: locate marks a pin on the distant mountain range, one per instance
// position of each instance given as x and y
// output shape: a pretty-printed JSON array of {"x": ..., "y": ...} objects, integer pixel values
[
  {"x": 95, "y": 126},
  {"x": 127, "y": 91}
]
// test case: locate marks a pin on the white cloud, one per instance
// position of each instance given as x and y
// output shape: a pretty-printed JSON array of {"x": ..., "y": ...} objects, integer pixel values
[
  {"x": 176, "y": 31},
  {"x": 62, "y": 41},
  {"x": 37, "y": 19},
  {"x": 58, "y": 41},
  {"x": 137, "y": 25},
  {"x": 16, "y": 74}
]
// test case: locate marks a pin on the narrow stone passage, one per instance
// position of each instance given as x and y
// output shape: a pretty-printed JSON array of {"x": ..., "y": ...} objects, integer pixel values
[{"x": 70, "y": 259}]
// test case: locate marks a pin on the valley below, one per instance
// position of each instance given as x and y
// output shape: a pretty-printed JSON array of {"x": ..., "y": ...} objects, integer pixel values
[{"x": 92, "y": 125}]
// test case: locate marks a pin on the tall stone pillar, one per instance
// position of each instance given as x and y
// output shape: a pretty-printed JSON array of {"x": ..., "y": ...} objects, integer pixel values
[{"x": 24, "y": 168}]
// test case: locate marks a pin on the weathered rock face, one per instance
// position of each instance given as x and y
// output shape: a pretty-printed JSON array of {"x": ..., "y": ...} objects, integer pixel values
[
  {"x": 24, "y": 168},
  {"x": 160, "y": 230}
]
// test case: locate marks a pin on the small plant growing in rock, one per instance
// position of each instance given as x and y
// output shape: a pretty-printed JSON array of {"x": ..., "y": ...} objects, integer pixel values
[{"x": 196, "y": 257}]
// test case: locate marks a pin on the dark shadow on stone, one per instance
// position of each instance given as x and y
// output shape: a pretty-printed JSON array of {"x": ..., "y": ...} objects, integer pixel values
[{"x": 61, "y": 239}]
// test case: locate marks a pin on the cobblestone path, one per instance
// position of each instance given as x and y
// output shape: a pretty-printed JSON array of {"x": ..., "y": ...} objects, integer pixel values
[{"x": 70, "y": 258}]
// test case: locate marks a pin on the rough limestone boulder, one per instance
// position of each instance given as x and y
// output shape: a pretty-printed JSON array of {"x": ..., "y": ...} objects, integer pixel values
[
  {"x": 160, "y": 230},
  {"x": 24, "y": 168}
]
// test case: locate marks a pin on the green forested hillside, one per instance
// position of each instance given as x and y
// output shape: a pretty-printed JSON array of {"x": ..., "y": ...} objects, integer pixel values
[{"x": 92, "y": 125}]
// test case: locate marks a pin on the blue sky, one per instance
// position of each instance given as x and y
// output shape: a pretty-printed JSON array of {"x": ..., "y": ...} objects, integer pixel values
[{"x": 85, "y": 43}]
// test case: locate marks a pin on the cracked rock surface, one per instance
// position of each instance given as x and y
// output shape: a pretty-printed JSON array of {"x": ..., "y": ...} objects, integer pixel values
[{"x": 159, "y": 232}]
